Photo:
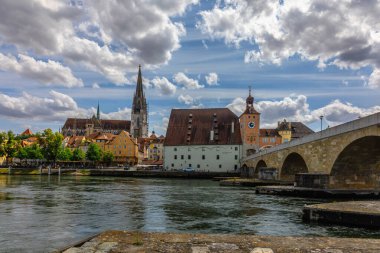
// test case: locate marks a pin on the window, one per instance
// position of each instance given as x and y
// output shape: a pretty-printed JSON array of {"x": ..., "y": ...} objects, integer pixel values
[
  {"x": 175, "y": 149},
  {"x": 189, "y": 157},
  {"x": 273, "y": 140},
  {"x": 217, "y": 157},
  {"x": 172, "y": 164},
  {"x": 190, "y": 165},
  {"x": 175, "y": 157},
  {"x": 220, "y": 166},
  {"x": 203, "y": 157},
  {"x": 198, "y": 166},
  {"x": 236, "y": 148},
  {"x": 236, "y": 157},
  {"x": 235, "y": 167},
  {"x": 182, "y": 157}
]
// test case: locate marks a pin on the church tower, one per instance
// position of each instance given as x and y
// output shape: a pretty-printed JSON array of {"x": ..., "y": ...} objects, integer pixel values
[
  {"x": 250, "y": 127},
  {"x": 139, "y": 119}
]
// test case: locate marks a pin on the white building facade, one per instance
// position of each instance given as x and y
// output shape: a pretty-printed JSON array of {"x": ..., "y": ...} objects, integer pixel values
[{"x": 208, "y": 158}]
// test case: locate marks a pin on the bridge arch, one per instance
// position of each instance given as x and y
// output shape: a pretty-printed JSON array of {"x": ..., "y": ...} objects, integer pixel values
[
  {"x": 293, "y": 163},
  {"x": 358, "y": 164},
  {"x": 259, "y": 165}
]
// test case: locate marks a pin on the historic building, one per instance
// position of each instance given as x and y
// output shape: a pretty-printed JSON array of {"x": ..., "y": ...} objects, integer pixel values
[
  {"x": 124, "y": 148},
  {"x": 250, "y": 127},
  {"x": 139, "y": 117},
  {"x": 137, "y": 126},
  {"x": 255, "y": 138},
  {"x": 203, "y": 140}
]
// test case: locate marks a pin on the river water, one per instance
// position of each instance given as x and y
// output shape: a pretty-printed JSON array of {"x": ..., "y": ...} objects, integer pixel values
[{"x": 43, "y": 213}]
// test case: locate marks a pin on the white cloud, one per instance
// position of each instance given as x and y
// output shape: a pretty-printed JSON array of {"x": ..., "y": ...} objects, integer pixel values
[
  {"x": 121, "y": 114},
  {"x": 150, "y": 35},
  {"x": 212, "y": 78},
  {"x": 109, "y": 41},
  {"x": 237, "y": 106},
  {"x": 162, "y": 126},
  {"x": 48, "y": 73},
  {"x": 281, "y": 29},
  {"x": 338, "y": 112},
  {"x": 56, "y": 107},
  {"x": 188, "y": 83},
  {"x": 164, "y": 86},
  {"x": 296, "y": 108},
  {"x": 374, "y": 79},
  {"x": 95, "y": 86},
  {"x": 186, "y": 99}
]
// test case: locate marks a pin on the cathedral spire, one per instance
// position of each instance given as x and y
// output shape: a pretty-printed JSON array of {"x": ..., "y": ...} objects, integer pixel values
[
  {"x": 139, "y": 117},
  {"x": 139, "y": 86},
  {"x": 98, "y": 112}
]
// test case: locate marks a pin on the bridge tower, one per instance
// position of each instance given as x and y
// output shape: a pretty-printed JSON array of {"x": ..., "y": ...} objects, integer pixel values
[{"x": 250, "y": 127}]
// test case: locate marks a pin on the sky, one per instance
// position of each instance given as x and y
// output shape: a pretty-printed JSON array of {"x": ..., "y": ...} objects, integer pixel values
[{"x": 303, "y": 59}]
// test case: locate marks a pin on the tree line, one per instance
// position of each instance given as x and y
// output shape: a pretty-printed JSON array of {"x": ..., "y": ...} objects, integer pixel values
[{"x": 49, "y": 146}]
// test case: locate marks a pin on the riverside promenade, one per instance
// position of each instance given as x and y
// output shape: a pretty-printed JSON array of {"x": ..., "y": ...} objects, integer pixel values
[{"x": 140, "y": 242}]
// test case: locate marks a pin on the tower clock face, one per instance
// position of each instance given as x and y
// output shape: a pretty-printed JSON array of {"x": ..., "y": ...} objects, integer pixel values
[{"x": 251, "y": 124}]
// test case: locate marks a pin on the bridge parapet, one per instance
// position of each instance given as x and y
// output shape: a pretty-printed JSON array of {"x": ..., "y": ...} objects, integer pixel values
[{"x": 373, "y": 119}]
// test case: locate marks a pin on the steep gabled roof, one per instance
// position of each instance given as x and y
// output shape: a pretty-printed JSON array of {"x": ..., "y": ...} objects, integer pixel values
[
  {"x": 193, "y": 126},
  {"x": 27, "y": 132}
]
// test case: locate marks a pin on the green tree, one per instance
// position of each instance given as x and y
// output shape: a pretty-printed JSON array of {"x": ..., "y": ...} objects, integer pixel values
[
  {"x": 78, "y": 155},
  {"x": 108, "y": 158},
  {"x": 35, "y": 152},
  {"x": 9, "y": 146},
  {"x": 51, "y": 144},
  {"x": 30, "y": 152},
  {"x": 65, "y": 154},
  {"x": 94, "y": 153}
]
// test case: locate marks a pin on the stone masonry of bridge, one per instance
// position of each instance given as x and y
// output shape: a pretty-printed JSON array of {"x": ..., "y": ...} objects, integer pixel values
[{"x": 350, "y": 153}]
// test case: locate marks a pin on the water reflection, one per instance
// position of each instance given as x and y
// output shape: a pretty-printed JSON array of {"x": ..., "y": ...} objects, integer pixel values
[{"x": 40, "y": 213}]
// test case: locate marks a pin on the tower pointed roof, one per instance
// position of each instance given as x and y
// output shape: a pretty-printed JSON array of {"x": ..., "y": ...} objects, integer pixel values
[
  {"x": 249, "y": 104},
  {"x": 139, "y": 101},
  {"x": 98, "y": 112},
  {"x": 139, "y": 86}
]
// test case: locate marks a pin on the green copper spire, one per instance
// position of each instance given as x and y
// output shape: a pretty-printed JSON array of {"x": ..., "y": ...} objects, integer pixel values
[{"x": 98, "y": 112}]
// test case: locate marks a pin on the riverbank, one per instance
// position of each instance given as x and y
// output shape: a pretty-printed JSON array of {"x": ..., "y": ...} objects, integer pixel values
[
  {"x": 120, "y": 173},
  {"x": 126, "y": 241}
]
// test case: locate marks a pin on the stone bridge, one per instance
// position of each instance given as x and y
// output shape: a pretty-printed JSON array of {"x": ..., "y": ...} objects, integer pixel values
[{"x": 349, "y": 153}]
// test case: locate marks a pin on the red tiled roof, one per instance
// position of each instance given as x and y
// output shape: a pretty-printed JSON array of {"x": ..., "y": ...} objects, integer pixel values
[
  {"x": 202, "y": 122},
  {"x": 27, "y": 132},
  {"x": 106, "y": 124}
]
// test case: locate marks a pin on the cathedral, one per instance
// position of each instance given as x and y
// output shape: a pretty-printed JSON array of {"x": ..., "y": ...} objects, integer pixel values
[{"x": 137, "y": 126}]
